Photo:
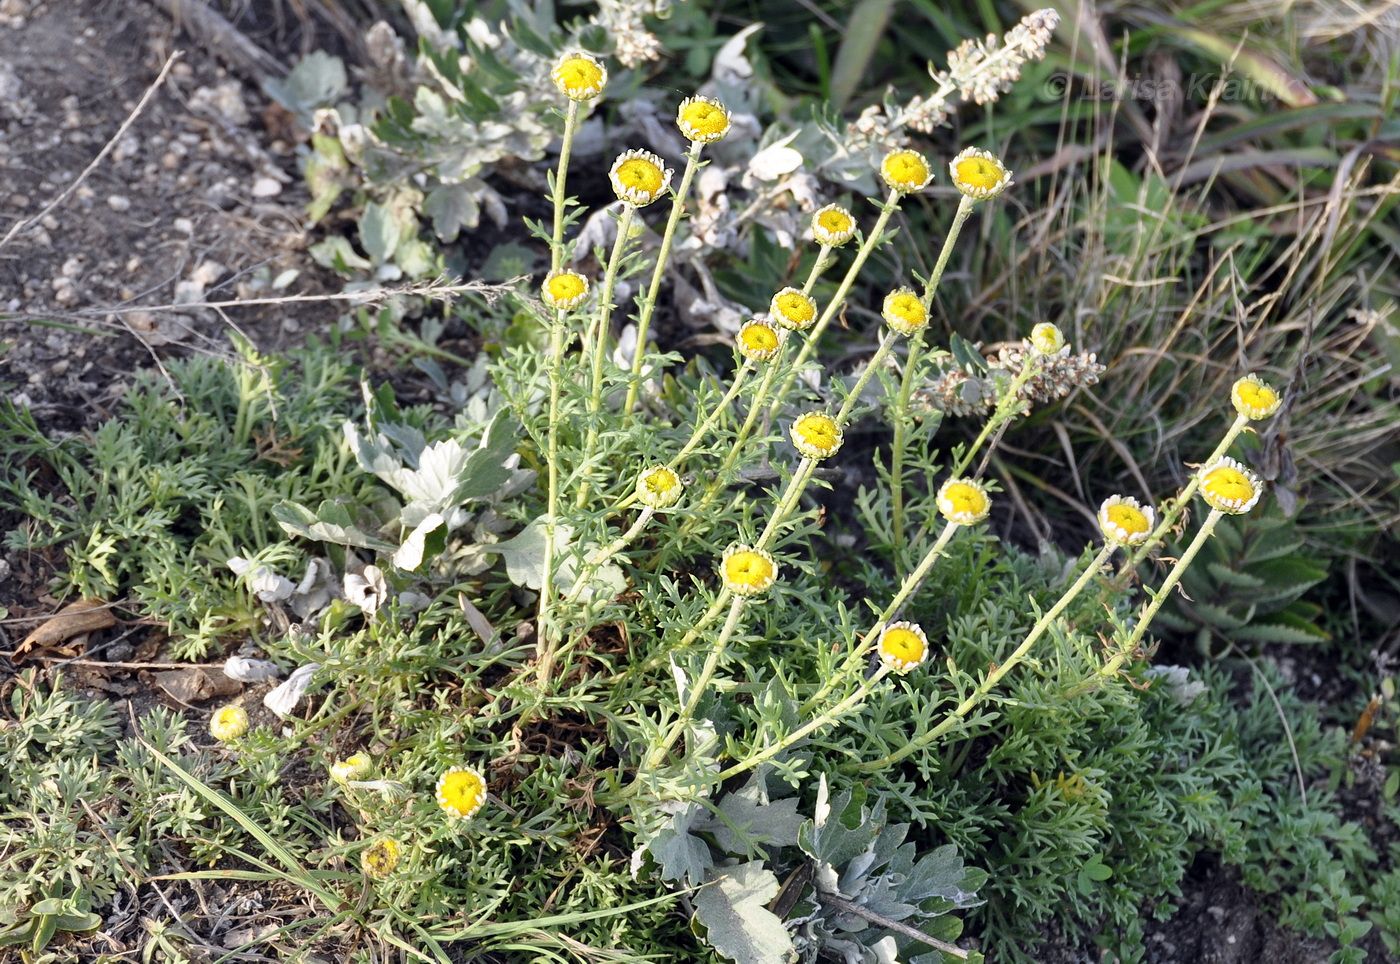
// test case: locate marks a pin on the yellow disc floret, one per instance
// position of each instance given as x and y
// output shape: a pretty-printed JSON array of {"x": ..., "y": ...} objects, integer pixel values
[
  {"x": 1125, "y": 521},
  {"x": 758, "y": 340},
  {"x": 906, "y": 171},
  {"x": 579, "y": 76},
  {"x": 904, "y": 312},
  {"x": 816, "y": 435},
  {"x": 702, "y": 120},
  {"x": 747, "y": 571},
  {"x": 564, "y": 289},
  {"x": 380, "y": 858},
  {"x": 833, "y": 225},
  {"x": 639, "y": 177},
  {"x": 964, "y": 501},
  {"x": 793, "y": 310},
  {"x": 978, "y": 174},
  {"x": 228, "y": 723},
  {"x": 1047, "y": 339},
  {"x": 1254, "y": 398},
  {"x": 1230, "y": 487},
  {"x": 461, "y": 792},
  {"x": 902, "y": 646},
  {"x": 659, "y": 487},
  {"x": 354, "y": 767}
]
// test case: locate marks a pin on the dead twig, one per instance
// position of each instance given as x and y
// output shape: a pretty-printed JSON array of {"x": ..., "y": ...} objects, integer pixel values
[{"x": 221, "y": 38}]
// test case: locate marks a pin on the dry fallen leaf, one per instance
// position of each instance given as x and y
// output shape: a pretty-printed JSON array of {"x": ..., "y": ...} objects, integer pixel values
[{"x": 75, "y": 619}]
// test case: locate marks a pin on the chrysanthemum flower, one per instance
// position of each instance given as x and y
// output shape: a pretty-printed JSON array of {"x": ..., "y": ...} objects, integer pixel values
[
  {"x": 1047, "y": 339},
  {"x": 833, "y": 225},
  {"x": 747, "y": 571},
  {"x": 902, "y": 646},
  {"x": 461, "y": 792},
  {"x": 758, "y": 340},
  {"x": 639, "y": 177},
  {"x": 381, "y": 857},
  {"x": 579, "y": 76},
  {"x": 564, "y": 289},
  {"x": 659, "y": 487},
  {"x": 978, "y": 174},
  {"x": 1125, "y": 521},
  {"x": 904, "y": 311},
  {"x": 228, "y": 723},
  {"x": 964, "y": 501},
  {"x": 906, "y": 171},
  {"x": 816, "y": 435},
  {"x": 702, "y": 120},
  {"x": 354, "y": 767},
  {"x": 1230, "y": 487},
  {"x": 1254, "y": 398},
  {"x": 793, "y": 310}
]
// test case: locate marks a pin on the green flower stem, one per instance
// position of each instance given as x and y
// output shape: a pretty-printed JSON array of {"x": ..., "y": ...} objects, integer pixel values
[
  {"x": 600, "y": 343},
  {"x": 802, "y": 732},
  {"x": 800, "y": 476},
  {"x": 603, "y": 553},
  {"x": 548, "y": 637},
  {"x": 994, "y": 677},
  {"x": 1173, "y": 512},
  {"x": 907, "y": 588},
  {"x": 556, "y": 244},
  {"x": 1006, "y": 409},
  {"x": 692, "y": 164},
  {"x": 906, "y": 383},
  {"x": 814, "y": 335},
  {"x": 871, "y": 367},
  {"x": 1126, "y": 651},
  {"x": 818, "y": 267},
  {"x": 697, "y": 689}
]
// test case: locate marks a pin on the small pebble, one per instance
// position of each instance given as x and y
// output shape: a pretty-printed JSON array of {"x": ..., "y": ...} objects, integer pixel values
[
  {"x": 266, "y": 187},
  {"x": 119, "y": 202}
]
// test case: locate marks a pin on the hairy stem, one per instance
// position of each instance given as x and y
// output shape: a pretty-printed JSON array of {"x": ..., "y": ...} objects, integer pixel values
[{"x": 556, "y": 244}]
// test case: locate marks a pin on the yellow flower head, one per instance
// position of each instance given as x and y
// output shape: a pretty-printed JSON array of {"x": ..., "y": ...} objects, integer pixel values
[
  {"x": 979, "y": 175},
  {"x": 564, "y": 289},
  {"x": 1230, "y": 487},
  {"x": 579, "y": 76},
  {"x": 758, "y": 340},
  {"x": 833, "y": 225},
  {"x": 902, "y": 646},
  {"x": 659, "y": 487},
  {"x": 964, "y": 501},
  {"x": 817, "y": 435},
  {"x": 639, "y": 177},
  {"x": 354, "y": 767},
  {"x": 1125, "y": 521},
  {"x": 379, "y": 859},
  {"x": 702, "y": 120},
  {"x": 904, "y": 312},
  {"x": 1254, "y": 398},
  {"x": 793, "y": 310},
  {"x": 747, "y": 571},
  {"x": 1047, "y": 339},
  {"x": 906, "y": 171},
  {"x": 228, "y": 723},
  {"x": 461, "y": 792}
]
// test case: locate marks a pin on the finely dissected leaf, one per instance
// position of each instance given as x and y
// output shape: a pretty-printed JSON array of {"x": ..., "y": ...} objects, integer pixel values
[
  {"x": 329, "y": 523},
  {"x": 738, "y": 924}
]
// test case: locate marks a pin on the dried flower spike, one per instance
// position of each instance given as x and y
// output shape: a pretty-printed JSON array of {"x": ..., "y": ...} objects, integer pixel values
[
  {"x": 793, "y": 310},
  {"x": 702, "y": 120},
  {"x": 1230, "y": 487},
  {"x": 579, "y": 76},
  {"x": 1254, "y": 398},
  {"x": 758, "y": 340},
  {"x": 747, "y": 571},
  {"x": 1047, "y": 339},
  {"x": 902, "y": 646},
  {"x": 380, "y": 858},
  {"x": 354, "y": 767},
  {"x": 904, "y": 311},
  {"x": 461, "y": 792},
  {"x": 639, "y": 177},
  {"x": 228, "y": 723},
  {"x": 833, "y": 225},
  {"x": 564, "y": 290},
  {"x": 1125, "y": 521},
  {"x": 906, "y": 171},
  {"x": 979, "y": 175},
  {"x": 659, "y": 487},
  {"x": 816, "y": 435},
  {"x": 964, "y": 502}
]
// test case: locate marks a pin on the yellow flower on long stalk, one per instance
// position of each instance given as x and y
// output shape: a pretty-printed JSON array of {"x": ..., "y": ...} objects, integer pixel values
[
  {"x": 905, "y": 171},
  {"x": 833, "y": 226},
  {"x": 758, "y": 340},
  {"x": 579, "y": 76},
  {"x": 816, "y": 435},
  {"x": 978, "y": 174}
]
